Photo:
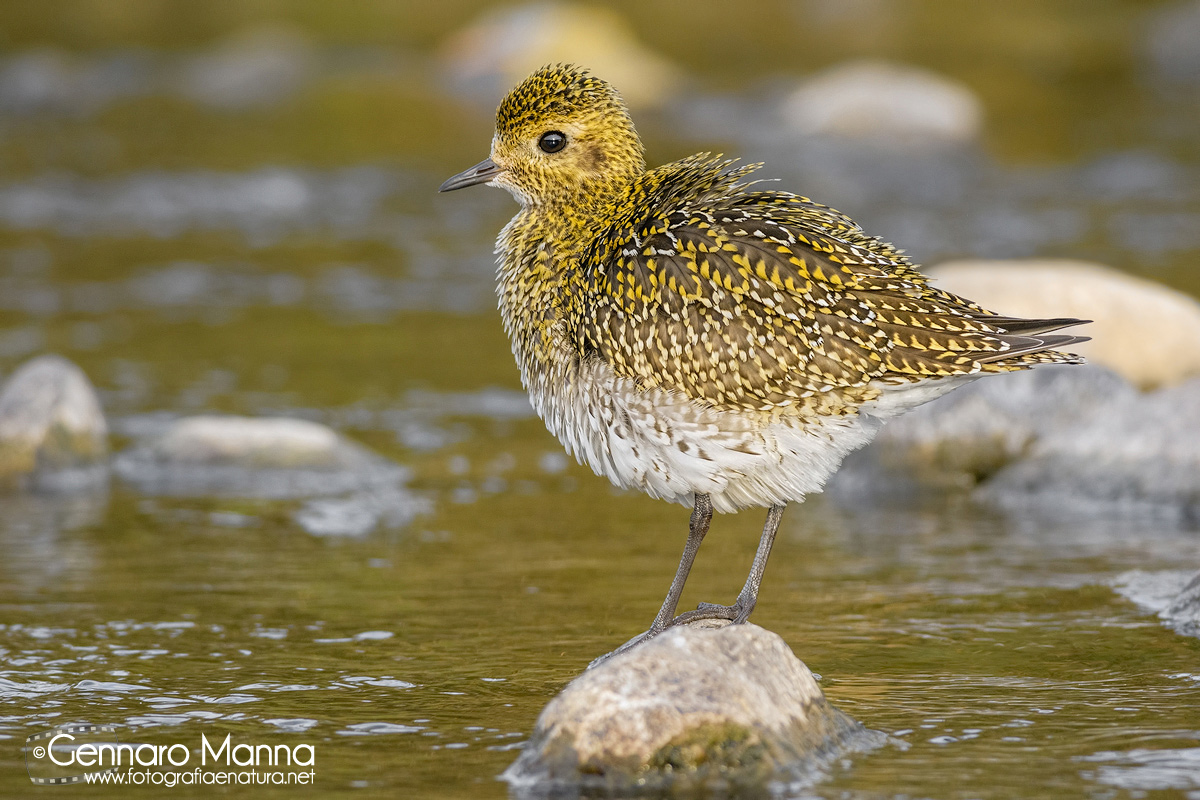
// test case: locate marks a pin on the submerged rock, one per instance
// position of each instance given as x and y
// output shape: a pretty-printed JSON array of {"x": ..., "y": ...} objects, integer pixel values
[
  {"x": 1075, "y": 440},
  {"x": 885, "y": 101},
  {"x": 350, "y": 491},
  {"x": 252, "y": 457},
  {"x": 494, "y": 53},
  {"x": 52, "y": 429},
  {"x": 694, "y": 707},
  {"x": 361, "y": 512},
  {"x": 1143, "y": 330},
  {"x": 965, "y": 437},
  {"x": 1184, "y": 610},
  {"x": 1174, "y": 595},
  {"x": 1139, "y": 454}
]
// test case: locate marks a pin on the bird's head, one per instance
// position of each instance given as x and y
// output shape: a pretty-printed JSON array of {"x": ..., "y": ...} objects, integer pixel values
[{"x": 561, "y": 134}]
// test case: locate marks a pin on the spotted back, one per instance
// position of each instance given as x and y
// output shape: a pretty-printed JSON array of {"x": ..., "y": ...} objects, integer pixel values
[{"x": 742, "y": 298}]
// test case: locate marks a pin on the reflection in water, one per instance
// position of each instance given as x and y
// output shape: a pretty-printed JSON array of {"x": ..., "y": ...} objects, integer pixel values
[{"x": 42, "y": 550}]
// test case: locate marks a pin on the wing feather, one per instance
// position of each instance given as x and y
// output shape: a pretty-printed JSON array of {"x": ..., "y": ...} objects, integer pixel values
[{"x": 754, "y": 299}]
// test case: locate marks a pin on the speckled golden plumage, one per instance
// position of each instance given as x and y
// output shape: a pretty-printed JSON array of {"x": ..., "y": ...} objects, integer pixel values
[
  {"x": 758, "y": 300},
  {"x": 688, "y": 333}
]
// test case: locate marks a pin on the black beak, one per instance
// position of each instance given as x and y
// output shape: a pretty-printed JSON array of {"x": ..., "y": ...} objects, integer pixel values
[{"x": 482, "y": 172}]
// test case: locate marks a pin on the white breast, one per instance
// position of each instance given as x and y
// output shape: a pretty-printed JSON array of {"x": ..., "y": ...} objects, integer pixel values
[{"x": 670, "y": 447}]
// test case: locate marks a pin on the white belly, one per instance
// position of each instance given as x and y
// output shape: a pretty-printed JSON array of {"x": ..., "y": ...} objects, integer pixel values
[{"x": 671, "y": 448}]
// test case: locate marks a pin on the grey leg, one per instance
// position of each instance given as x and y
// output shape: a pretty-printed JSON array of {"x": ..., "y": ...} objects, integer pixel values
[
  {"x": 740, "y": 611},
  {"x": 748, "y": 597},
  {"x": 701, "y": 517}
]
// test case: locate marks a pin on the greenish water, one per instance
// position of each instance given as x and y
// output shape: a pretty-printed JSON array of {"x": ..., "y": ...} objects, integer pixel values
[
  {"x": 985, "y": 646},
  {"x": 416, "y": 660}
]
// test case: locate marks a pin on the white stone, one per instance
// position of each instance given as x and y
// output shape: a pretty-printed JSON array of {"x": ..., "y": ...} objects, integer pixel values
[
  {"x": 884, "y": 101},
  {"x": 50, "y": 422},
  {"x": 249, "y": 441},
  {"x": 504, "y": 46},
  {"x": 1146, "y": 332}
]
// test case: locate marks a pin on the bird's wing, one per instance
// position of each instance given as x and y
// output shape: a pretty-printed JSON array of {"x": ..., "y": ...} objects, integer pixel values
[{"x": 746, "y": 299}]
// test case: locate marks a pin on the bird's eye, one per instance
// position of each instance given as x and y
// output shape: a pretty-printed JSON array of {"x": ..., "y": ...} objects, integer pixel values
[{"x": 552, "y": 141}]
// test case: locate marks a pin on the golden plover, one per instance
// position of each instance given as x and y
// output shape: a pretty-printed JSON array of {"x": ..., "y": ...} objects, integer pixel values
[{"x": 707, "y": 341}]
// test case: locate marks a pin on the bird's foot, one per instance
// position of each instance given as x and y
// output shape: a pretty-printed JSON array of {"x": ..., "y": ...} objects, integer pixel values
[
  {"x": 737, "y": 613},
  {"x": 704, "y": 616}
]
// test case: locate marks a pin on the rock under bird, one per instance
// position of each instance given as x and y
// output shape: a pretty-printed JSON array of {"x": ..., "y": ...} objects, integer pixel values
[{"x": 685, "y": 332}]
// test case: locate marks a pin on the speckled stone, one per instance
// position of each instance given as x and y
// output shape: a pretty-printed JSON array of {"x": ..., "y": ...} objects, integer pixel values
[
  {"x": 731, "y": 705},
  {"x": 1184, "y": 609}
]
